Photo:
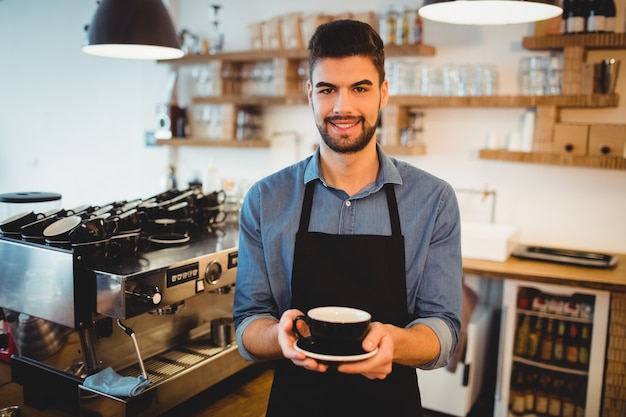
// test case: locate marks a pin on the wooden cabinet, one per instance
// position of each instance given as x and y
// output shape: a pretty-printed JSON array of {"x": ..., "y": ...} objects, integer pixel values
[
  {"x": 548, "y": 107},
  {"x": 286, "y": 90},
  {"x": 574, "y": 49}
]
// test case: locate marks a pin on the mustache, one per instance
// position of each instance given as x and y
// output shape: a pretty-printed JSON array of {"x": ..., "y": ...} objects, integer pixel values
[{"x": 343, "y": 119}]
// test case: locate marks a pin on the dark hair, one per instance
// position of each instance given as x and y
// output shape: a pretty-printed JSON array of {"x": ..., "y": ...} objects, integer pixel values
[{"x": 345, "y": 38}]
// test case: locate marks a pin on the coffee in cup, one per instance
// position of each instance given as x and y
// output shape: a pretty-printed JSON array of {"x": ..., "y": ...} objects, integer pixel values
[{"x": 332, "y": 330}]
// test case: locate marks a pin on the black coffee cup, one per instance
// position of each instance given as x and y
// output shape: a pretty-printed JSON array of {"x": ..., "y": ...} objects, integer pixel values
[
  {"x": 180, "y": 210},
  {"x": 93, "y": 230},
  {"x": 34, "y": 231},
  {"x": 104, "y": 210},
  {"x": 59, "y": 230},
  {"x": 127, "y": 245},
  {"x": 333, "y": 330},
  {"x": 13, "y": 224},
  {"x": 164, "y": 196},
  {"x": 151, "y": 209},
  {"x": 129, "y": 221},
  {"x": 187, "y": 195},
  {"x": 212, "y": 199},
  {"x": 85, "y": 211},
  {"x": 168, "y": 225},
  {"x": 207, "y": 216}
]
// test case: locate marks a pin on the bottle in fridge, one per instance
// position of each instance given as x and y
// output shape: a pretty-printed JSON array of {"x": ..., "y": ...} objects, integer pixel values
[{"x": 552, "y": 350}]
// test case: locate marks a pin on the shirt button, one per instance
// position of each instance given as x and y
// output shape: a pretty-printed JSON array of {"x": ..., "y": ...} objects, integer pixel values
[{"x": 348, "y": 203}]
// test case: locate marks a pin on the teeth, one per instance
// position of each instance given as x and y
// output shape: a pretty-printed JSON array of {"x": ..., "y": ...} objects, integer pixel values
[{"x": 344, "y": 125}]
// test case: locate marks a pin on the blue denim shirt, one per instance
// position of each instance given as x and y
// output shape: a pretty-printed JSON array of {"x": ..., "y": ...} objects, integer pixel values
[{"x": 429, "y": 218}]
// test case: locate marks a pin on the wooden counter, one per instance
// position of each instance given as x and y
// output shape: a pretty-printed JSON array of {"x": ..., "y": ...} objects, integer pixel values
[
  {"x": 612, "y": 279},
  {"x": 246, "y": 393}
]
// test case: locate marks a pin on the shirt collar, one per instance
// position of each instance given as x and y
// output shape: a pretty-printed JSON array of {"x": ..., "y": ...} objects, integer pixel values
[{"x": 388, "y": 174}]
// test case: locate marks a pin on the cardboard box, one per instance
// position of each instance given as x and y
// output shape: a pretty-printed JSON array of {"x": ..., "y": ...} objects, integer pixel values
[
  {"x": 273, "y": 34},
  {"x": 607, "y": 140},
  {"x": 492, "y": 242},
  {"x": 571, "y": 139},
  {"x": 292, "y": 33},
  {"x": 255, "y": 32}
]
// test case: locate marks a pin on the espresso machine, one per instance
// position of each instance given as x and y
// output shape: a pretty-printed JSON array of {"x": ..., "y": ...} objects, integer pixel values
[{"x": 163, "y": 313}]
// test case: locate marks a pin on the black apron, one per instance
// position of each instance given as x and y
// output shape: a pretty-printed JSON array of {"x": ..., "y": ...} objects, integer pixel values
[{"x": 361, "y": 271}]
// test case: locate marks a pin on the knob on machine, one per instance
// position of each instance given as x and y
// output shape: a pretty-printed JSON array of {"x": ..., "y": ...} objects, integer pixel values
[
  {"x": 213, "y": 272},
  {"x": 148, "y": 294}
]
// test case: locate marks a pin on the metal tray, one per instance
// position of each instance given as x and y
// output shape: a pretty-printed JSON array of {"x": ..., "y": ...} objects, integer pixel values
[{"x": 566, "y": 256}]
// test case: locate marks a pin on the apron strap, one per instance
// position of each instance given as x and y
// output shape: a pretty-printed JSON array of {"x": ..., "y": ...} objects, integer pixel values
[
  {"x": 307, "y": 204},
  {"x": 394, "y": 214}
]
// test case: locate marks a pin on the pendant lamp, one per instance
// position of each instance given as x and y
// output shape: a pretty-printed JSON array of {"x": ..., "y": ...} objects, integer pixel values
[
  {"x": 133, "y": 29},
  {"x": 489, "y": 12}
]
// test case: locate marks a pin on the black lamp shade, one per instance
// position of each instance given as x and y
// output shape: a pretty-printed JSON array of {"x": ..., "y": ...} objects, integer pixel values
[{"x": 135, "y": 29}]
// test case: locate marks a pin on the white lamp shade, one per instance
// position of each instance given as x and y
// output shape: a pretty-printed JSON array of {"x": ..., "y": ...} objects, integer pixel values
[{"x": 489, "y": 12}]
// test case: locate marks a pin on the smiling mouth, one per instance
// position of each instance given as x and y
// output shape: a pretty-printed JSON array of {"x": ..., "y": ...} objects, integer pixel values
[{"x": 343, "y": 123}]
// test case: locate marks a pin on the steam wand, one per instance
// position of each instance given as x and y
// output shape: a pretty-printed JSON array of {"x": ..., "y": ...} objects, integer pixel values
[{"x": 131, "y": 333}]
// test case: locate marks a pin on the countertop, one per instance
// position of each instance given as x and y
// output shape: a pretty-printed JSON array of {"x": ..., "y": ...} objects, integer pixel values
[{"x": 610, "y": 279}]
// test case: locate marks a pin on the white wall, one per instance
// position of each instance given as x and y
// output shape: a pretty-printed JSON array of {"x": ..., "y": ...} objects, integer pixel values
[{"x": 74, "y": 124}]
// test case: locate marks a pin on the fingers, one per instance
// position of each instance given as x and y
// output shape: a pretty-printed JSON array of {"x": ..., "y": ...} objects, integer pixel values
[
  {"x": 379, "y": 365},
  {"x": 287, "y": 339}
]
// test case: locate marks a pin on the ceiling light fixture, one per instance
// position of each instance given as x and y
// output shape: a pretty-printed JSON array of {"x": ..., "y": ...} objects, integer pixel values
[
  {"x": 489, "y": 12},
  {"x": 133, "y": 29}
]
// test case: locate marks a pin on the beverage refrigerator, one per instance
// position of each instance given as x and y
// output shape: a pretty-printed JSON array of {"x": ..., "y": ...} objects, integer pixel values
[{"x": 552, "y": 349}]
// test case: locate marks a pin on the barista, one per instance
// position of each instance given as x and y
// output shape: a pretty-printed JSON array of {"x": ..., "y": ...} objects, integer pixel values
[{"x": 349, "y": 226}]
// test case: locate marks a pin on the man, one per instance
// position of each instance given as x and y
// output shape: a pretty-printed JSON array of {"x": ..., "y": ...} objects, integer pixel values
[{"x": 349, "y": 226}]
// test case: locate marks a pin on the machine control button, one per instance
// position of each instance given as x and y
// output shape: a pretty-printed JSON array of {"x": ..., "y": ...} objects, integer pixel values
[
  {"x": 199, "y": 286},
  {"x": 213, "y": 272},
  {"x": 233, "y": 258}
]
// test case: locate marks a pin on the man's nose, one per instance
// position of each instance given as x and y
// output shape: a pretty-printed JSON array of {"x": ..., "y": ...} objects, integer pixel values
[{"x": 343, "y": 103}]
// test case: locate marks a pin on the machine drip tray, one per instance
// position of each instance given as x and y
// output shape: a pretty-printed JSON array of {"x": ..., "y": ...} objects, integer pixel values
[
  {"x": 566, "y": 256},
  {"x": 177, "y": 374},
  {"x": 174, "y": 361}
]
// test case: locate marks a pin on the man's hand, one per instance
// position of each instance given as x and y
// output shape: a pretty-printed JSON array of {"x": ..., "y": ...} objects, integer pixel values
[
  {"x": 379, "y": 365},
  {"x": 286, "y": 340}
]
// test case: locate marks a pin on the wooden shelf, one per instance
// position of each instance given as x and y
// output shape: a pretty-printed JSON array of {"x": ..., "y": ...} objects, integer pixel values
[
  {"x": 239, "y": 56},
  {"x": 611, "y": 162},
  {"x": 224, "y": 143},
  {"x": 547, "y": 105},
  {"x": 585, "y": 40},
  {"x": 418, "y": 149},
  {"x": 394, "y": 51},
  {"x": 579, "y": 100},
  {"x": 267, "y": 54},
  {"x": 252, "y": 100},
  {"x": 572, "y": 101}
]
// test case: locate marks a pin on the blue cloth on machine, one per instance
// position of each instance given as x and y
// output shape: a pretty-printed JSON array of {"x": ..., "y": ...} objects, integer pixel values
[{"x": 110, "y": 382}]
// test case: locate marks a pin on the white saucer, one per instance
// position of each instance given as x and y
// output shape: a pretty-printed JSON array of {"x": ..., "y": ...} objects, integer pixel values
[
  {"x": 169, "y": 239},
  {"x": 335, "y": 358}
]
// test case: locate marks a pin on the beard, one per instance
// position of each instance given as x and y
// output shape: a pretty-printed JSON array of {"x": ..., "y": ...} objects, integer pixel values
[{"x": 343, "y": 144}]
